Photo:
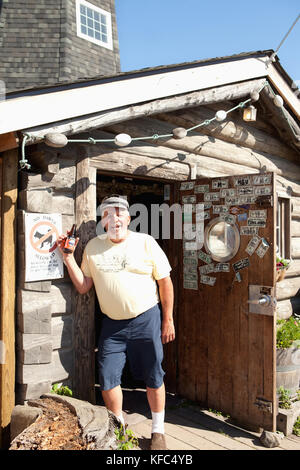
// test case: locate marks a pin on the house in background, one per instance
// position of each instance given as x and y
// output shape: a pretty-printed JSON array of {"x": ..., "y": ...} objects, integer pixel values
[
  {"x": 48, "y": 42},
  {"x": 243, "y": 169}
]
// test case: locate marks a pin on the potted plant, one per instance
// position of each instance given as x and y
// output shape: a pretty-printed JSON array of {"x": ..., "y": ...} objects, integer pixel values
[
  {"x": 288, "y": 353},
  {"x": 282, "y": 266}
]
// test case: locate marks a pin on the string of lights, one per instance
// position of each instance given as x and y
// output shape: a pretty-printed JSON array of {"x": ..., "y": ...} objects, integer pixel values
[{"x": 123, "y": 140}]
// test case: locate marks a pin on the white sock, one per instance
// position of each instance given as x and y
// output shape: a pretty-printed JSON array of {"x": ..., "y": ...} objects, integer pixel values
[
  {"x": 120, "y": 418},
  {"x": 158, "y": 422}
]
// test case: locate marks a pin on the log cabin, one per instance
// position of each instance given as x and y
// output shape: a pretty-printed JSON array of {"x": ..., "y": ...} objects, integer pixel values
[{"x": 221, "y": 134}]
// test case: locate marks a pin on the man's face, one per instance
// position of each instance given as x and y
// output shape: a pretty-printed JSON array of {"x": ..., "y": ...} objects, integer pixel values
[{"x": 116, "y": 221}]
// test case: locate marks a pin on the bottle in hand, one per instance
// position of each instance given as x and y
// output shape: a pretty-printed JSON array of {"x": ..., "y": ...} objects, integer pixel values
[{"x": 70, "y": 240}]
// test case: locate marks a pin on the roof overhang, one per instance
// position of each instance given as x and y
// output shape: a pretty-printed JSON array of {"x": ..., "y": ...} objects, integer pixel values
[{"x": 31, "y": 108}]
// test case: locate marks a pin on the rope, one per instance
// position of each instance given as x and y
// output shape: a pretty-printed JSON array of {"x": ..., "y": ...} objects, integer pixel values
[{"x": 272, "y": 57}]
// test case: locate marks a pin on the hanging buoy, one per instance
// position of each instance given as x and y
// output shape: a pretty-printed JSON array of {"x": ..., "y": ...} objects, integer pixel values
[
  {"x": 278, "y": 101},
  {"x": 122, "y": 140},
  {"x": 179, "y": 133},
  {"x": 254, "y": 95},
  {"x": 54, "y": 139},
  {"x": 221, "y": 115}
]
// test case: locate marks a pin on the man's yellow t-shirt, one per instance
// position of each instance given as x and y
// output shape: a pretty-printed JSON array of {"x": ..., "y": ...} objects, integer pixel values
[{"x": 124, "y": 273}]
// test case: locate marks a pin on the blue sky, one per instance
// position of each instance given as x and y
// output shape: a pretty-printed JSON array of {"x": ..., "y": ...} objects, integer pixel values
[{"x": 163, "y": 32}]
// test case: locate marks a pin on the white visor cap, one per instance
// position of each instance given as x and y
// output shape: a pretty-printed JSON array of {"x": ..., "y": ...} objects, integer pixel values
[{"x": 114, "y": 201}]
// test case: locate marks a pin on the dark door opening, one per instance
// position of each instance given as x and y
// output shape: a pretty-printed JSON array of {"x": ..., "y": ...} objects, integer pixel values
[{"x": 138, "y": 191}]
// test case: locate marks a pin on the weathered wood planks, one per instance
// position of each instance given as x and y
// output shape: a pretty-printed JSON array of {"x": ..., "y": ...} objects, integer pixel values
[
  {"x": 8, "y": 277},
  {"x": 84, "y": 305},
  {"x": 226, "y": 354},
  {"x": 201, "y": 144}
]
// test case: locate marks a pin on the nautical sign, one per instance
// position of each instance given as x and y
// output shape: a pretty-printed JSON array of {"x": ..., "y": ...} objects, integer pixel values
[{"x": 42, "y": 257}]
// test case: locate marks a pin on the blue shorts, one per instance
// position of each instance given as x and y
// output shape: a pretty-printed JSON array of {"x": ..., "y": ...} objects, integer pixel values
[{"x": 140, "y": 339}]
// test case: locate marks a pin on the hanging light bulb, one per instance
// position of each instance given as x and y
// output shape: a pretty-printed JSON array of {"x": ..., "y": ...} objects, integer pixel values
[
  {"x": 221, "y": 115},
  {"x": 122, "y": 140},
  {"x": 249, "y": 113}
]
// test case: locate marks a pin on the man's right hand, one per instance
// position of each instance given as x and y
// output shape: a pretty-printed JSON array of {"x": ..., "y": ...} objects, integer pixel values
[
  {"x": 82, "y": 283},
  {"x": 61, "y": 243}
]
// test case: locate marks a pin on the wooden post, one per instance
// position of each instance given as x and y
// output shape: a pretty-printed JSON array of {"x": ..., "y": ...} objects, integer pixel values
[
  {"x": 7, "y": 302},
  {"x": 84, "y": 323},
  {"x": 8, "y": 141}
]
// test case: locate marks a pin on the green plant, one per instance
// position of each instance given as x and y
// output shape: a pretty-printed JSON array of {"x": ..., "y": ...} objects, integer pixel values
[
  {"x": 296, "y": 427},
  {"x": 284, "y": 398},
  {"x": 218, "y": 413},
  {"x": 126, "y": 438},
  {"x": 288, "y": 333},
  {"x": 282, "y": 263},
  {"x": 61, "y": 390}
]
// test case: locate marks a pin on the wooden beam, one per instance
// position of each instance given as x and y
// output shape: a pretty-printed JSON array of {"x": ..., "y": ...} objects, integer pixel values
[
  {"x": 84, "y": 327},
  {"x": 7, "y": 303},
  {"x": 205, "y": 145},
  {"x": 36, "y": 109},
  {"x": 8, "y": 141},
  {"x": 233, "y": 130},
  {"x": 188, "y": 100},
  {"x": 280, "y": 119},
  {"x": 158, "y": 161},
  {"x": 290, "y": 96}
]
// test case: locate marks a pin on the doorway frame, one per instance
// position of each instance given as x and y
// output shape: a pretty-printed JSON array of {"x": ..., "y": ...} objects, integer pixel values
[{"x": 84, "y": 305}]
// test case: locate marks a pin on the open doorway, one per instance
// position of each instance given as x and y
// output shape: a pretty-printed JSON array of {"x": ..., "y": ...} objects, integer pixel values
[{"x": 138, "y": 191}]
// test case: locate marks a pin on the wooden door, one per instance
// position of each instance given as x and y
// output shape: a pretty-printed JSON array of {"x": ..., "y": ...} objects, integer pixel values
[{"x": 226, "y": 354}]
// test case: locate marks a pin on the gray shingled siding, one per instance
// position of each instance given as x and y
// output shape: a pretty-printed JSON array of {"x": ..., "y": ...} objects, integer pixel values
[
  {"x": 83, "y": 58},
  {"x": 39, "y": 44}
]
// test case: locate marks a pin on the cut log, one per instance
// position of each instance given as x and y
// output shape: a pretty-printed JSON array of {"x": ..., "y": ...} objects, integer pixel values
[
  {"x": 63, "y": 180},
  {"x": 295, "y": 247},
  {"x": 295, "y": 228},
  {"x": 294, "y": 269},
  {"x": 62, "y": 331},
  {"x": 284, "y": 309},
  {"x": 87, "y": 123},
  {"x": 59, "y": 369},
  {"x": 231, "y": 130},
  {"x": 158, "y": 161},
  {"x": 287, "y": 186},
  {"x": 287, "y": 288},
  {"x": 295, "y": 207},
  {"x": 282, "y": 119}
]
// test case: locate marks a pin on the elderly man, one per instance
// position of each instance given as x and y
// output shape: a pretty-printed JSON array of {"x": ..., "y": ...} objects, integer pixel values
[{"x": 124, "y": 267}]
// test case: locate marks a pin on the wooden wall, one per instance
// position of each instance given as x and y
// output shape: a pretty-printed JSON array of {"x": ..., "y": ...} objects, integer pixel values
[
  {"x": 8, "y": 202},
  {"x": 64, "y": 181},
  {"x": 221, "y": 149}
]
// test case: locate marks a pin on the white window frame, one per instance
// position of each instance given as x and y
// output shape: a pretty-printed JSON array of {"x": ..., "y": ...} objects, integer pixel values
[
  {"x": 283, "y": 226},
  {"x": 109, "y": 43}
]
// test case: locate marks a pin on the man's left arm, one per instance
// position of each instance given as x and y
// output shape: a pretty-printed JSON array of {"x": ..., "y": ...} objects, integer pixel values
[{"x": 166, "y": 293}]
